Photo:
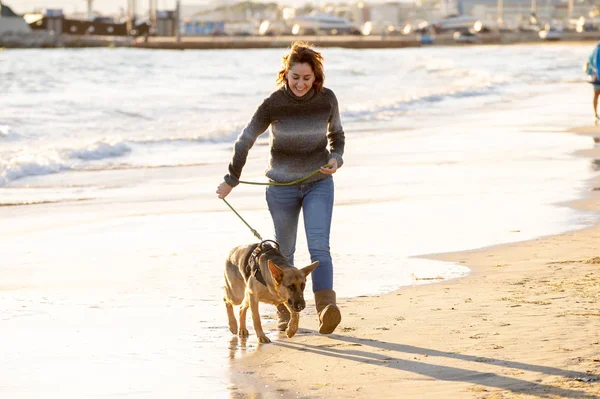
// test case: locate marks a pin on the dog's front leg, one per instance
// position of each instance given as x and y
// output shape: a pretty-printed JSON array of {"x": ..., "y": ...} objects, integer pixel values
[
  {"x": 243, "y": 331},
  {"x": 256, "y": 320},
  {"x": 292, "y": 327}
]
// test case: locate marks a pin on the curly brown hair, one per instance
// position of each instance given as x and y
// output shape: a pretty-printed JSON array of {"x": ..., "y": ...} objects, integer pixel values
[{"x": 299, "y": 53}]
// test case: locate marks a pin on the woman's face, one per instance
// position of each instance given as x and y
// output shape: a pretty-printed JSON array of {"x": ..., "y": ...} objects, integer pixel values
[{"x": 300, "y": 78}]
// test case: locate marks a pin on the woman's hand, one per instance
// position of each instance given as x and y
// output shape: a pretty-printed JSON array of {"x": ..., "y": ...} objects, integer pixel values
[
  {"x": 331, "y": 167},
  {"x": 223, "y": 190}
]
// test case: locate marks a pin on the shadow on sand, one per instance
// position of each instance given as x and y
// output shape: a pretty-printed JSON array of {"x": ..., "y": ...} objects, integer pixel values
[{"x": 446, "y": 373}]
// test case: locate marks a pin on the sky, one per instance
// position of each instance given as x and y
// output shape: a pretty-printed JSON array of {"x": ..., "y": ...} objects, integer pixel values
[{"x": 114, "y": 6}]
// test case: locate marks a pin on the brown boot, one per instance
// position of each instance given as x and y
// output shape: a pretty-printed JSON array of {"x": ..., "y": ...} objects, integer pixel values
[
  {"x": 283, "y": 317},
  {"x": 329, "y": 313}
]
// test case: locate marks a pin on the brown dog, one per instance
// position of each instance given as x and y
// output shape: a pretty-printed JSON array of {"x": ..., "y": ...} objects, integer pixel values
[{"x": 260, "y": 273}]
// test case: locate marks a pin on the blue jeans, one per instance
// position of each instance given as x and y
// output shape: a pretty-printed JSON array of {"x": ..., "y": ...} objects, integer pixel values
[{"x": 316, "y": 201}]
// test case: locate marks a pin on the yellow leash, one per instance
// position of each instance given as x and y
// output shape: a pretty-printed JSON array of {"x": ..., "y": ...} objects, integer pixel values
[
  {"x": 292, "y": 183},
  {"x": 246, "y": 223}
]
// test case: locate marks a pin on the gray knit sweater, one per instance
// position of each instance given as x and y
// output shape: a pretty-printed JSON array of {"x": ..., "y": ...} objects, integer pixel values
[{"x": 301, "y": 129}]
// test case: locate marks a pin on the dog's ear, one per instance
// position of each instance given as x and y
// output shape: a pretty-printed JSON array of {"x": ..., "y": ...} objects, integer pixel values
[
  {"x": 310, "y": 268},
  {"x": 276, "y": 271}
]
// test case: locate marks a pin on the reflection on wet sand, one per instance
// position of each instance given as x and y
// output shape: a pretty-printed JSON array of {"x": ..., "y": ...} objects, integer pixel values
[
  {"x": 237, "y": 346},
  {"x": 243, "y": 385}
]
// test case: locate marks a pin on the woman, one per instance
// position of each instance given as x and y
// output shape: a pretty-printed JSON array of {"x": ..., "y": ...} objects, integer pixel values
[{"x": 304, "y": 120}]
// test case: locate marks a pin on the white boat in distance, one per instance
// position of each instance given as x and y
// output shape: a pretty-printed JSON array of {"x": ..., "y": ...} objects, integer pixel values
[
  {"x": 321, "y": 22},
  {"x": 453, "y": 22}
]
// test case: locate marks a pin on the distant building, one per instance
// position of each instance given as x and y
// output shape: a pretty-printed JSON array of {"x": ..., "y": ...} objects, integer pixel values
[
  {"x": 11, "y": 23},
  {"x": 210, "y": 23},
  {"x": 203, "y": 28},
  {"x": 166, "y": 23},
  {"x": 515, "y": 13}
]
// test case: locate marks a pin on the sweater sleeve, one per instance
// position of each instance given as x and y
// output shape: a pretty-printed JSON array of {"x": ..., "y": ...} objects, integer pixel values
[
  {"x": 258, "y": 125},
  {"x": 335, "y": 133}
]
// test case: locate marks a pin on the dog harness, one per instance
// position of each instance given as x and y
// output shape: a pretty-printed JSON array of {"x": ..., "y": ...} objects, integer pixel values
[{"x": 252, "y": 267}]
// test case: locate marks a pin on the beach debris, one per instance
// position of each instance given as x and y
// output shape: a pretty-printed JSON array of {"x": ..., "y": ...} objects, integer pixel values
[
  {"x": 560, "y": 348},
  {"x": 594, "y": 261},
  {"x": 330, "y": 345},
  {"x": 562, "y": 262},
  {"x": 595, "y": 189},
  {"x": 426, "y": 278},
  {"x": 584, "y": 314},
  {"x": 586, "y": 379},
  {"x": 597, "y": 140},
  {"x": 537, "y": 302},
  {"x": 478, "y": 336},
  {"x": 319, "y": 386},
  {"x": 477, "y": 389},
  {"x": 596, "y": 163}
]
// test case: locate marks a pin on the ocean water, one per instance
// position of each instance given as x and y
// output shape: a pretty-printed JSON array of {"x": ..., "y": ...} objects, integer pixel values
[
  {"x": 67, "y": 110},
  {"x": 113, "y": 240}
]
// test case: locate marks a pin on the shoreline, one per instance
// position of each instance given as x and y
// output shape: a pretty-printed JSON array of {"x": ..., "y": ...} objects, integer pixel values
[
  {"x": 40, "y": 39},
  {"x": 522, "y": 324}
]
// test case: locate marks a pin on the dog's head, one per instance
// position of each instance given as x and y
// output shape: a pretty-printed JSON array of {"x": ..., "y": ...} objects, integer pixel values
[{"x": 290, "y": 282}]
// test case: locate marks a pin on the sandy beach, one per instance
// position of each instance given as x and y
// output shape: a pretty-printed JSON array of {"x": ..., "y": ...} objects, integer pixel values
[{"x": 524, "y": 324}]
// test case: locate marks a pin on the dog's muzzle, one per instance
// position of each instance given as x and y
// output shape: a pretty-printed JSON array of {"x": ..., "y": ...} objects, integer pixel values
[{"x": 298, "y": 306}]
